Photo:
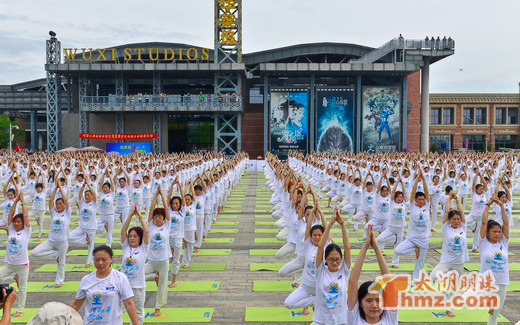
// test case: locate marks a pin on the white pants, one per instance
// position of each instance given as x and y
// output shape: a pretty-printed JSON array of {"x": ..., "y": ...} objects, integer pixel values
[
  {"x": 378, "y": 225},
  {"x": 361, "y": 216},
  {"x": 280, "y": 223},
  {"x": 351, "y": 208},
  {"x": 277, "y": 214},
  {"x": 199, "y": 232},
  {"x": 302, "y": 297},
  {"x": 478, "y": 223},
  {"x": 189, "y": 237},
  {"x": 502, "y": 291},
  {"x": 7, "y": 276},
  {"x": 79, "y": 234},
  {"x": 207, "y": 221},
  {"x": 391, "y": 235},
  {"x": 285, "y": 250},
  {"x": 161, "y": 267},
  {"x": 139, "y": 299},
  {"x": 407, "y": 247},
  {"x": 38, "y": 215},
  {"x": 293, "y": 267},
  {"x": 282, "y": 235},
  {"x": 53, "y": 250},
  {"x": 123, "y": 211},
  {"x": 146, "y": 207},
  {"x": 445, "y": 268},
  {"x": 435, "y": 210},
  {"x": 109, "y": 219},
  {"x": 176, "y": 244}
]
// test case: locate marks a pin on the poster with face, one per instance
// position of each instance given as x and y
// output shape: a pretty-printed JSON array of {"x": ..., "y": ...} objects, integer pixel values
[
  {"x": 381, "y": 118},
  {"x": 334, "y": 116},
  {"x": 288, "y": 121}
]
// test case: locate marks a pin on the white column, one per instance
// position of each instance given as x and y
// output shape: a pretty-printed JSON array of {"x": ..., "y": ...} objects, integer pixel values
[{"x": 425, "y": 106}]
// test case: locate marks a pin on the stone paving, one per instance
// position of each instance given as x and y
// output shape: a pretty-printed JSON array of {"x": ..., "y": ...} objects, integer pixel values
[{"x": 236, "y": 282}]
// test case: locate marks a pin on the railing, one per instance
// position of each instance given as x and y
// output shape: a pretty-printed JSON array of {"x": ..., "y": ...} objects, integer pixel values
[{"x": 206, "y": 100}]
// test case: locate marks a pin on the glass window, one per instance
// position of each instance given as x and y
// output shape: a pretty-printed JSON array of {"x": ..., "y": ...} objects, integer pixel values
[
  {"x": 512, "y": 115},
  {"x": 505, "y": 141},
  {"x": 473, "y": 142},
  {"x": 447, "y": 115},
  {"x": 480, "y": 115},
  {"x": 443, "y": 141},
  {"x": 467, "y": 116},
  {"x": 500, "y": 115},
  {"x": 435, "y": 118}
]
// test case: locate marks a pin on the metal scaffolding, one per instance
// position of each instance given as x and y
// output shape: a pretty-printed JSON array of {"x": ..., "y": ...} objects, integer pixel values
[
  {"x": 228, "y": 137},
  {"x": 120, "y": 124},
  {"x": 120, "y": 85},
  {"x": 157, "y": 128},
  {"x": 83, "y": 115},
  {"x": 157, "y": 84},
  {"x": 53, "y": 55}
]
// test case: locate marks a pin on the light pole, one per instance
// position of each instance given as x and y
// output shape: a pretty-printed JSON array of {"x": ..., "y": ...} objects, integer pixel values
[{"x": 11, "y": 136}]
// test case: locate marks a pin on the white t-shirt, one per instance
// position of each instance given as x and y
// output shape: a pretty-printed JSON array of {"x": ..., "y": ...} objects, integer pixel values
[
  {"x": 137, "y": 195},
  {"x": 478, "y": 204},
  {"x": 388, "y": 317},
  {"x": 106, "y": 203},
  {"x": 132, "y": 263},
  {"x": 8, "y": 203},
  {"x": 59, "y": 227},
  {"x": 398, "y": 214},
  {"x": 356, "y": 193},
  {"x": 199, "y": 206},
  {"x": 159, "y": 246},
  {"x": 38, "y": 203},
  {"x": 17, "y": 246},
  {"x": 331, "y": 295},
  {"x": 495, "y": 257},
  {"x": 104, "y": 297},
  {"x": 419, "y": 224},
  {"x": 498, "y": 213},
  {"x": 309, "y": 268},
  {"x": 122, "y": 196},
  {"x": 190, "y": 223},
  {"x": 87, "y": 215},
  {"x": 177, "y": 223},
  {"x": 382, "y": 207},
  {"x": 454, "y": 244},
  {"x": 436, "y": 192}
]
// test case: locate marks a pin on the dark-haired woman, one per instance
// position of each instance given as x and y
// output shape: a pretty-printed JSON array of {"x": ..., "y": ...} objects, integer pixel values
[
  {"x": 177, "y": 214},
  {"x": 478, "y": 203},
  {"x": 305, "y": 295},
  {"x": 381, "y": 208},
  {"x": 159, "y": 249},
  {"x": 105, "y": 290},
  {"x": 190, "y": 224},
  {"x": 333, "y": 270},
  {"x": 363, "y": 306},
  {"x": 135, "y": 250},
  {"x": 494, "y": 245},
  {"x": 58, "y": 243},
  {"x": 105, "y": 219},
  {"x": 454, "y": 247},
  {"x": 39, "y": 194},
  {"x": 16, "y": 255},
  {"x": 503, "y": 193},
  {"x": 86, "y": 231}
]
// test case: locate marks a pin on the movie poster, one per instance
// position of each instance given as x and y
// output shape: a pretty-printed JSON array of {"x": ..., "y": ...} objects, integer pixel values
[
  {"x": 381, "y": 118},
  {"x": 289, "y": 122},
  {"x": 335, "y": 118}
]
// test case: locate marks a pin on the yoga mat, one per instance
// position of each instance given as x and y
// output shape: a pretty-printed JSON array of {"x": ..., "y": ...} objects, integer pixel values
[
  {"x": 439, "y": 316},
  {"x": 119, "y": 252},
  {"x": 205, "y": 267},
  {"x": 275, "y": 286},
  {"x": 267, "y": 231},
  {"x": 513, "y": 286},
  {"x": 223, "y": 231},
  {"x": 265, "y": 266},
  {"x": 226, "y": 223},
  {"x": 263, "y": 211},
  {"x": 267, "y": 241},
  {"x": 476, "y": 266},
  {"x": 219, "y": 240},
  {"x": 81, "y": 268},
  {"x": 263, "y": 216},
  {"x": 366, "y": 266},
  {"x": 471, "y": 253},
  {"x": 514, "y": 240},
  {"x": 187, "y": 286},
  {"x": 262, "y": 252},
  {"x": 276, "y": 314},
  {"x": 228, "y": 216},
  {"x": 264, "y": 223},
  {"x": 231, "y": 211},
  {"x": 176, "y": 315}
]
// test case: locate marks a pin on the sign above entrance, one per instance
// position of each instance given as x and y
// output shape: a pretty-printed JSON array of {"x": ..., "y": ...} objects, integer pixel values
[
  {"x": 140, "y": 54},
  {"x": 118, "y": 136}
]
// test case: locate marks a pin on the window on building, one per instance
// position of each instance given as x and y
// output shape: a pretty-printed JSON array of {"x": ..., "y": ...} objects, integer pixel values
[
  {"x": 442, "y": 115},
  {"x": 474, "y": 115},
  {"x": 474, "y": 142},
  {"x": 505, "y": 141},
  {"x": 443, "y": 141},
  {"x": 506, "y": 115}
]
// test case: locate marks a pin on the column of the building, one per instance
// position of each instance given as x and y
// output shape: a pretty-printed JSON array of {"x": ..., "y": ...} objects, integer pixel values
[{"x": 425, "y": 106}]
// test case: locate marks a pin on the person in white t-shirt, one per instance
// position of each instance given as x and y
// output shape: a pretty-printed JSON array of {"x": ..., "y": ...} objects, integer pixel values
[
  {"x": 478, "y": 203},
  {"x": 333, "y": 271},
  {"x": 363, "y": 306},
  {"x": 190, "y": 224},
  {"x": 105, "y": 220},
  {"x": 159, "y": 252},
  {"x": 57, "y": 245},
  {"x": 105, "y": 291},
  {"x": 134, "y": 242},
  {"x": 454, "y": 245},
  {"x": 177, "y": 210},
  {"x": 494, "y": 256},
  {"x": 10, "y": 197},
  {"x": 199, "y": 197},
  {"x": 16, "y": 255},
  {"x": 86, "y": 230},
  {"x": 502, "y": 192},
  {"x": 38, "y": 205}
]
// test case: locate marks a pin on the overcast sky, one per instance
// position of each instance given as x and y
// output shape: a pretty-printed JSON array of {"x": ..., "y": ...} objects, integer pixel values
[{"x": 487, "y": 33}]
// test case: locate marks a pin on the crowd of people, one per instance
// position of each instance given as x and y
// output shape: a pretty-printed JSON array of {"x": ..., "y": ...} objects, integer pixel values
[
  {"x": 163, "y": 202},
  {"x": 385, "y": 193}
]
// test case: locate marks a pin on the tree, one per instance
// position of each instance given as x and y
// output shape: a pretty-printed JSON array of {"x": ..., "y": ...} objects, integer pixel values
[{"x": 4, "y": 132}]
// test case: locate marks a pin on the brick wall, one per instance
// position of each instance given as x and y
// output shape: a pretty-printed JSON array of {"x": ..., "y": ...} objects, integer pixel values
[{"x": 413, "y": 130}]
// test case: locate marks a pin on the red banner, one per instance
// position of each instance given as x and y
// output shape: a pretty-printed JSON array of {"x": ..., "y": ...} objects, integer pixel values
[{"x": 117, "y": 136}]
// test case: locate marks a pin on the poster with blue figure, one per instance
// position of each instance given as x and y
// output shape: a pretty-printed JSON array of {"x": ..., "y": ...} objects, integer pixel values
[
  {"x": 335, "y": 116},
  {"x": 289, "y": 121},
  {"x": 381, "y": 118},
  {"x": 128, "y": 148}
]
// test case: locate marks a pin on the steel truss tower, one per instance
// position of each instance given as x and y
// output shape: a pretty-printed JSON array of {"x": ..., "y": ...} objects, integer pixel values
[{"x": 53, "y": 56}]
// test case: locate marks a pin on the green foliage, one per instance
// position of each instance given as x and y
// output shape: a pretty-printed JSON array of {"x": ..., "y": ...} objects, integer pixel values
[
  {"x": 4, "y": 132},
  {"x": 434, "y": 148}
]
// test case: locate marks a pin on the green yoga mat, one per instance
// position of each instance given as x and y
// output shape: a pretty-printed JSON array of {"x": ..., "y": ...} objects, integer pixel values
[
  {"x": 262, "y": 252},
  {"x": 263, "y": 216},
  {"x": 226, "y": 223},
  {"x": 176, "y": 315},
  {"x": 471, "y": 253},
  {"x": 228, "y": 216},
  {"x": 366, "y": 266},
  {"x": 264, "y": 223},
  {"x": 267, "y": 231},
  {"x": 513, "y": 286},
  {"x": 263, "y": 211},
  {"x": 275, "y": 314},
  {"x": 231, "y": 210},
  {"x": 119, "y": 252},
  {"x": 265, "y": 266},
  {"x": 440, "y": 316},
  {"x": 188, "y": 286},
  {"x": 81, "y": 268},
  {"x": 223, "y": 231},
  {"x": 476, "y": 266},
  {"x": 515, "y": 240},
  {"x": 274, "y": 286},
  {"x": 267, "y": 241},
  {"x": 219, "y": 240}
]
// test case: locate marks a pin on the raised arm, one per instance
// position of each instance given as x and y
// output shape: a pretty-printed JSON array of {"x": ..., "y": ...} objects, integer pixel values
[
  {"x": 353, "y": 280},
  {"x": 153, "y": 204},
  {"x": 51, "y": 199},
  {"x": 124, "y": 229},
  {"x": 414, "y": 188},
  {"x": 323, "y": 241},
  {"x": 346, "y": 243},
  {"x": 165, "y": 204},
  {"x": 505, "y": 218},
  {"x": 485, "y": 218}
]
